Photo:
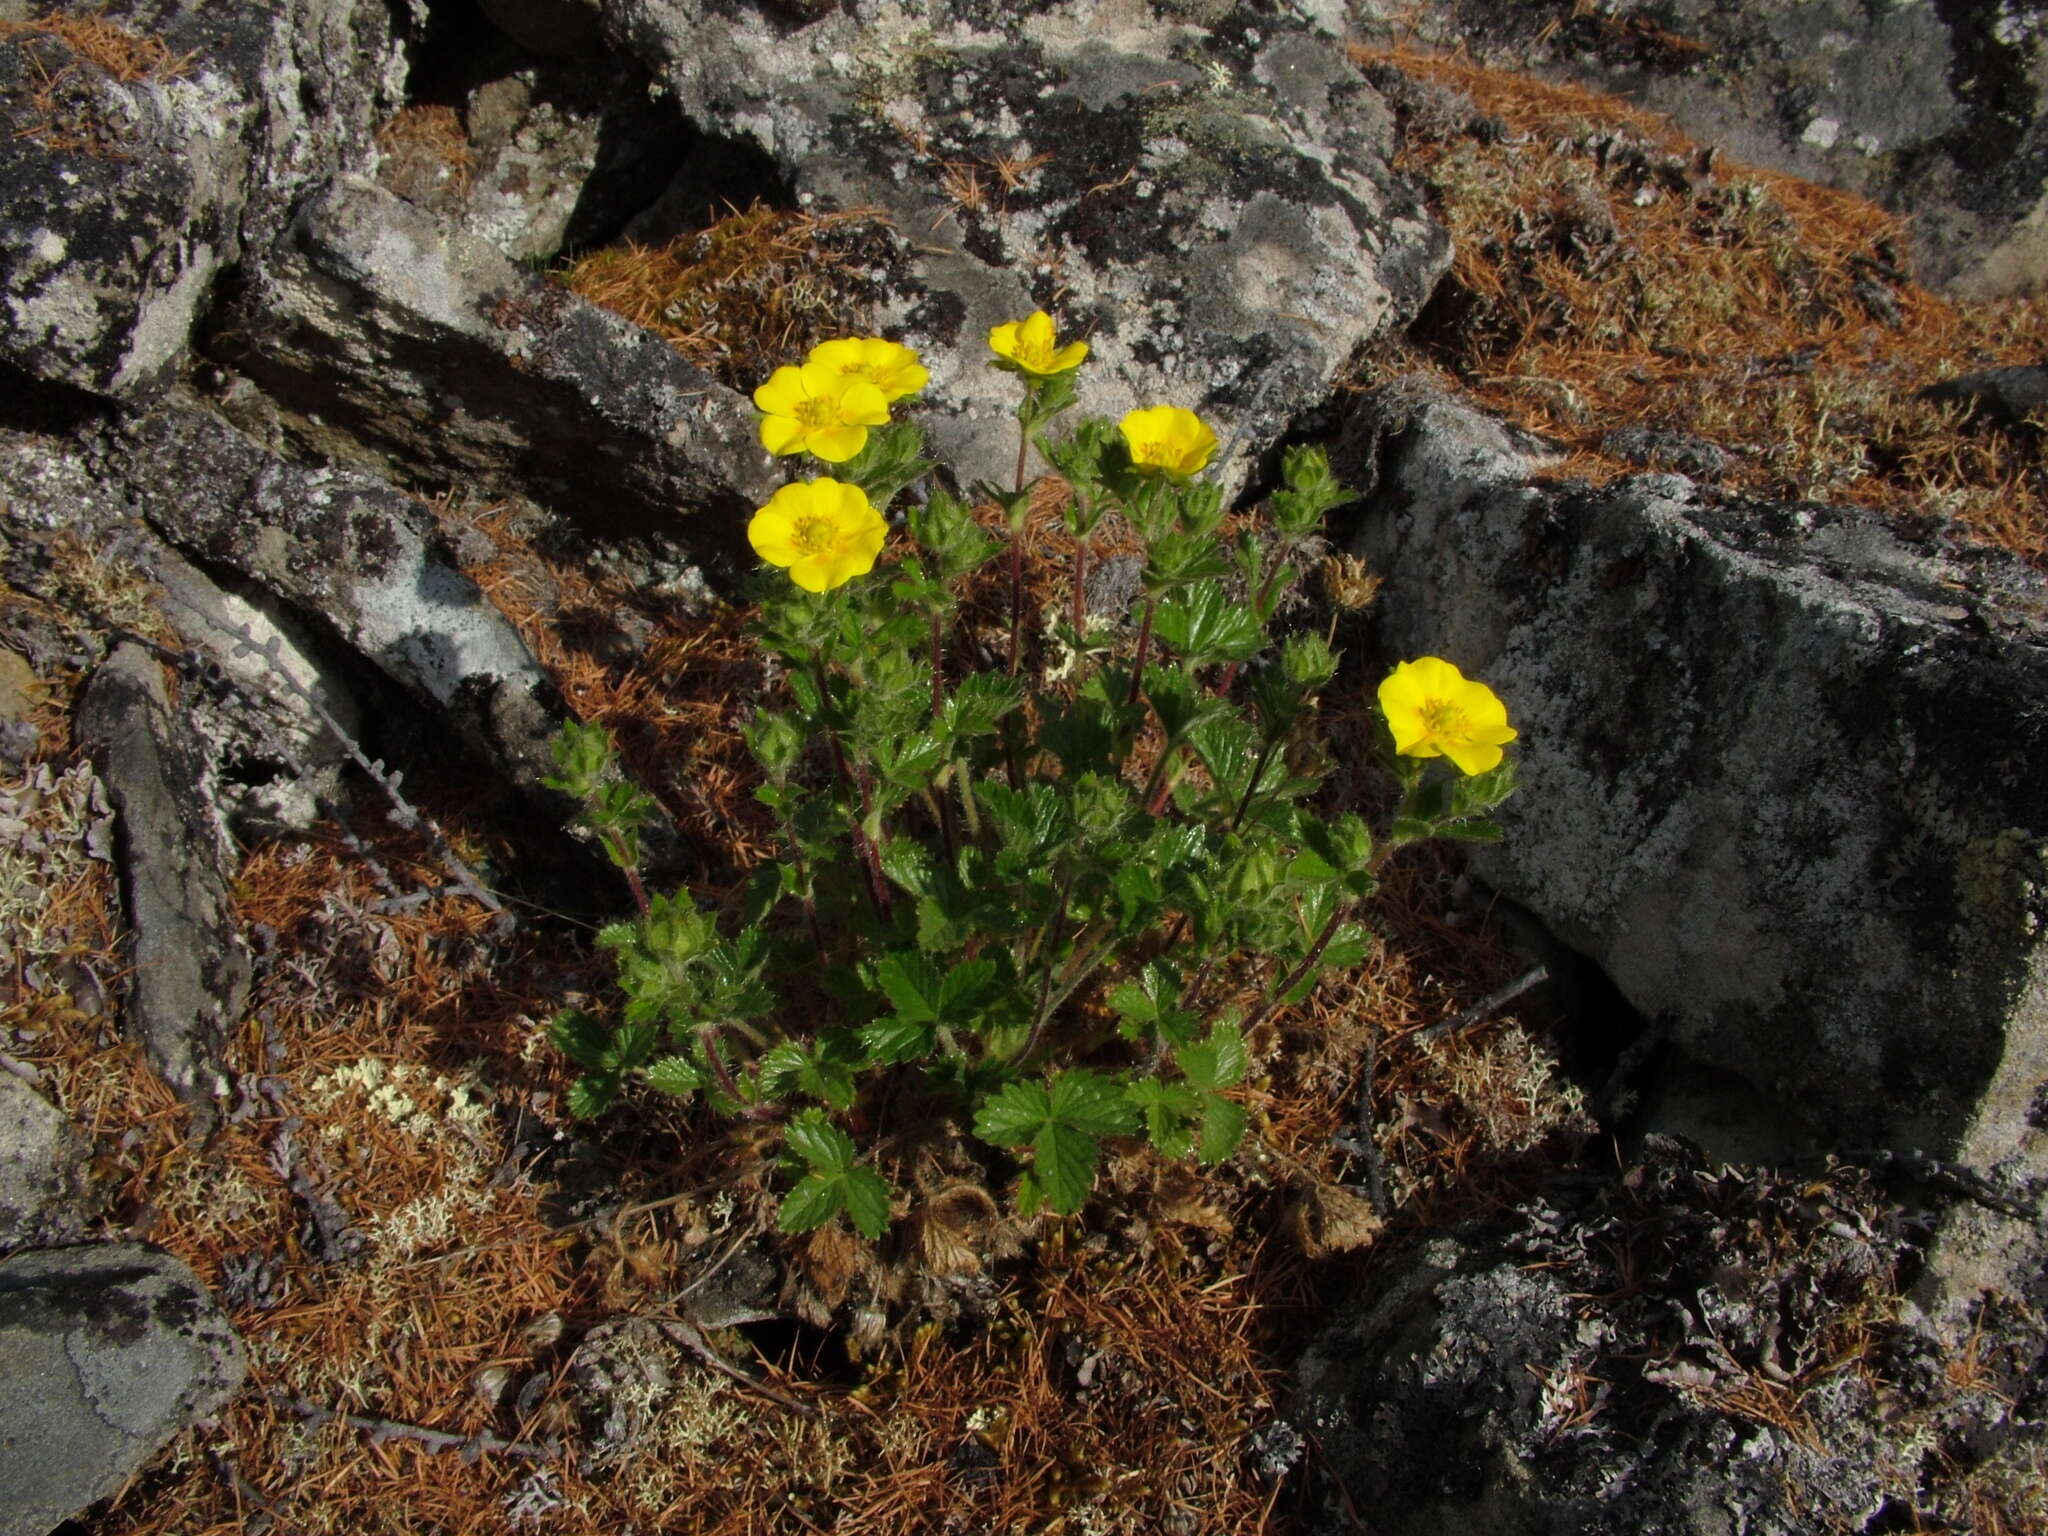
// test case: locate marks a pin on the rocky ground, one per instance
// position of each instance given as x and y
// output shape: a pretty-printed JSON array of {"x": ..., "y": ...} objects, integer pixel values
[{"x": 373, "y": 400}]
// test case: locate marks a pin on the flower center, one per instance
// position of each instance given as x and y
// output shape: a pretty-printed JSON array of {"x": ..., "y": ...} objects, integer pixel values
[
  {"x": 818, "y": 411},
  {"x": 813, "y": 534},
  {"x": 1444, "y": 720},
  {"x": 1035, "y": 355}
]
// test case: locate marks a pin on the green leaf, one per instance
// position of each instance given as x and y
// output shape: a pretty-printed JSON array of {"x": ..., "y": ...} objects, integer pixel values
[
  {"x": 579, "y": 1037},
  {"x": 912, "y": 982},
  {"x": 866, "y": 1195},
  {"x": 892, "y": 1040},
  {"x": 1063, "y": 1159},
  {"x": 1469, "y": 831},
  {"x": 591, "y": 1094},
  {"x": 1222, "y": 1127},
  {"x": 817, "y": 1198},
  {"x": 965, "y": 988},
  {"x": 978, "y": 703},
  {"x": 1169, "y": 1110},
  {"x": 1013, "y": 1115},
  {"x": 673, "y": 1074},
  {"x": 1088, "y": 1101},
  {"x": 819, "y": 1142},
  {"x": 1203, "y": 625},
  {"x": 1221, "y": 1061}
]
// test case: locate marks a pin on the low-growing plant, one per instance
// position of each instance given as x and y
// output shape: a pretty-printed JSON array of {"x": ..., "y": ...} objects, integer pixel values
[{"x": 1015, "y": 896}]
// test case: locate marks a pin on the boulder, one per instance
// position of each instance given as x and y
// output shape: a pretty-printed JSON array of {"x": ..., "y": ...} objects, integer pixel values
[
  {"x": 400, "y": 344},
  {"x": 1211, "y": 207},
  {"x": 44, "y": 1190},
  {"x": 107, "y": 1352},
  {"x": 1780, "y": 768},
  {"x": 150, "y": 146},
  {"x": 1666, "y": 1355},
  {"x": 1938, "y": 111},
  {"x": 190, "y": 968}
]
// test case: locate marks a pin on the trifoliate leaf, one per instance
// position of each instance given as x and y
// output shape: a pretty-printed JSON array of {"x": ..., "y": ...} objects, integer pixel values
[
  {"x": 1169, "y": 1110},
  {"x": 1203, "y": 625},
  {"x": 965, "y": 989},
  {"x": 978, "y": 703}
]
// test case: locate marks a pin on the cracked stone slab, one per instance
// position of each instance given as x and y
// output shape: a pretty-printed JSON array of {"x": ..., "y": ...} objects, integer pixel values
[
  {"x": 108, "y": 1351},
  {"x": 190, "y": 967},
  {"x": 44, "y": 1187}
]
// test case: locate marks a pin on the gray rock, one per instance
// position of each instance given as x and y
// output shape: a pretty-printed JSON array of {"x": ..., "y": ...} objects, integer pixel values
[
  {"x": 1212, "y": 209},
  {"x": 44, "y": 1192},
  {"x": 1662, "y": 1357},
  {"x": 107, "y": 1353},
  {"x": 121, "y": 200},
  {"x": 426, "y": 353},
  {"x": 1780, "y": 767},
  {"x": 2007, "y": 396},
  {"x": 190, "y": 968},
  {"x": 362, "y": 558},
  {"x": 1938, "y": 111}
]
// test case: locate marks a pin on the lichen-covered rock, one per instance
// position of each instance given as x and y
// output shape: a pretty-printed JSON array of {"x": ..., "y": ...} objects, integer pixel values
[
  {"x": 1781, "y": 770},
  {"x": 150, "y": 144},
  {"x": 44, "y": 1189},
  {"x": 1939, "y": 111},
  {"x": 362, "y": 558},
  {"x": 1211, "y": 207},
  {"x": 1684, "y": 1352},
  {"x": 392, "y": 337},
  {"x": 107, "y": 1352}
]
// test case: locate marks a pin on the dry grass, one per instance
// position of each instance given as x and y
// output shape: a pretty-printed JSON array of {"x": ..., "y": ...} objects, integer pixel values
[
  {"x": 1611, "y": 273},
  {"x": 753, "y": 291},
  {"x": 426, "y": 146},
  {"x": 112, "y": 49}
]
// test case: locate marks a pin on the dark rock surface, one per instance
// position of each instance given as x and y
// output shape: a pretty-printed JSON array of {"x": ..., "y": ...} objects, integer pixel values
[
  {"x": 1686, "y": 1350},
  {"x": 1211, "y": 206},
  {"x": 122, "y": 199},
  {"x": 191, "y": 971},
  {"x": 1780, "y": 768},
  {"x": 1937, "y": 110},
  {"x": 107, "y": 1351}
]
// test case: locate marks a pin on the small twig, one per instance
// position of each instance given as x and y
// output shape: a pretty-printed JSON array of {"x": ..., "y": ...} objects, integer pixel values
[
  {"x": 687, "y": 1335},
  {"x": 381, "y": 1429},
  {"x": 1362, "y": 1144},
  {"x": 361, "y": 850},
  {"x": 1535, "y": 976}
]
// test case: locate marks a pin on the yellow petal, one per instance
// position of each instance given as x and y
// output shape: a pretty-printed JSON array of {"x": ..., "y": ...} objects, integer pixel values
[
  {"x": 835, "y": 445},
  {"x": 1069, "y": 356},
  {"x": 862, "y": 404},
  {"x": 1036, "y": 333},
  {"x": 772, "y": 533},
  {"x": 1002, "y": 339},
  {"x": 782, "y": 434},
  {"x": 1472, "y": 756},
  {"x": 839, "y": 355},
  {"x": 783, "y": 392},
  {"x": 810, "y": 573}
]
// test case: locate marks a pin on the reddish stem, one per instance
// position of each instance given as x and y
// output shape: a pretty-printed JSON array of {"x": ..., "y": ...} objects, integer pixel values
[{"x": 1144, "y": 644}]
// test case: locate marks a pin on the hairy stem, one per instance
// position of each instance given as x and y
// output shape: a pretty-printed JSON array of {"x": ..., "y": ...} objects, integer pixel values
[{"x": 1144, "y": 644}]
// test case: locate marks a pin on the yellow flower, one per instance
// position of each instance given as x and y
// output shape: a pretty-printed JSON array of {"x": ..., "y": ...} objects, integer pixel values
[
  {"x": 892, "y": 368},
  {"x": 812, "y": 409},
  {"x": 1175, "y": 442},
  {"x": 824, "y": 531},
  {"x": 1436, "y": 711},
  {"x": 1028, "y": 345}
]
